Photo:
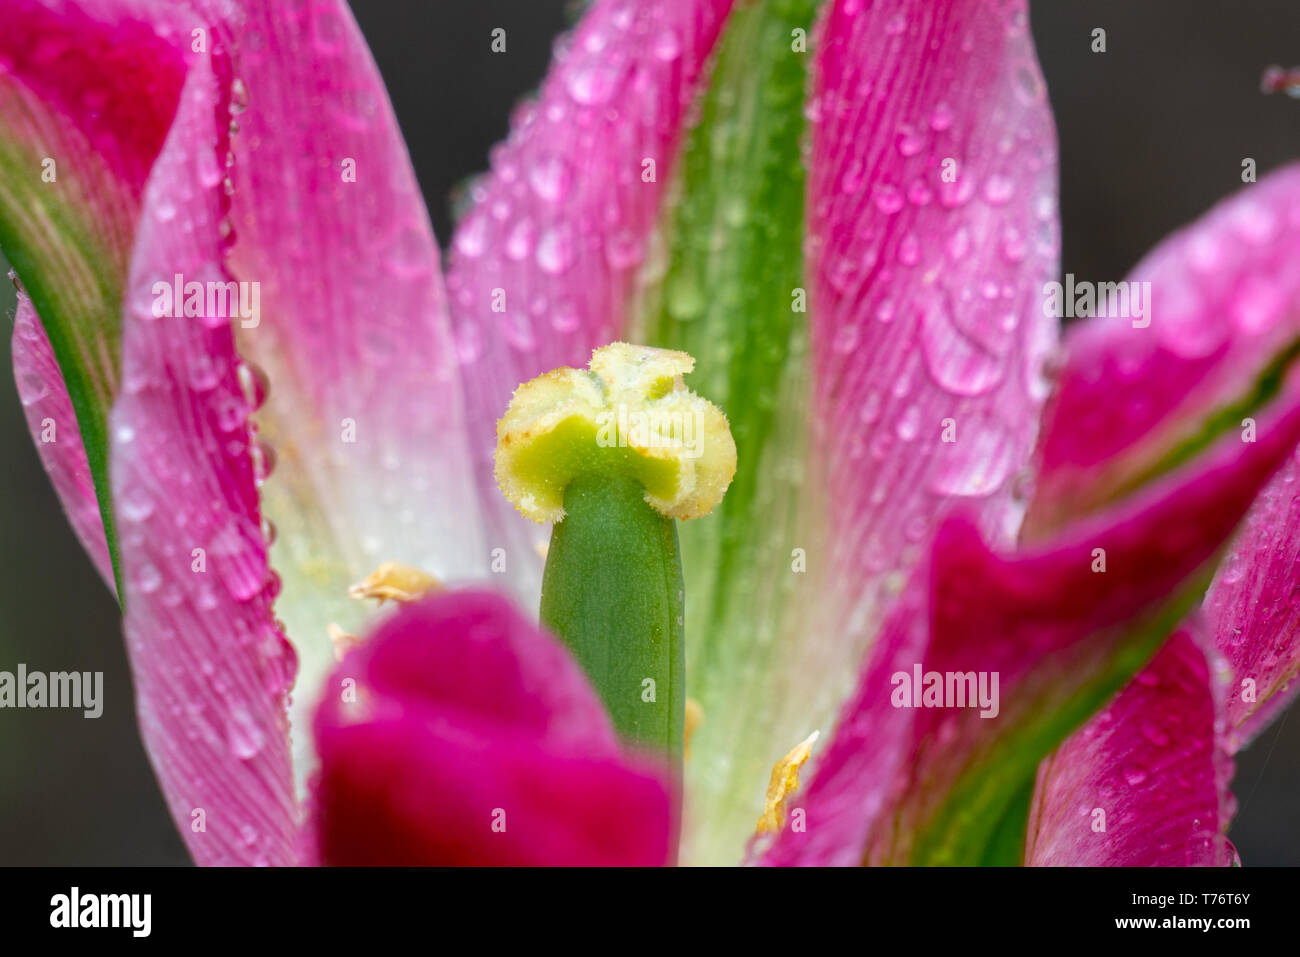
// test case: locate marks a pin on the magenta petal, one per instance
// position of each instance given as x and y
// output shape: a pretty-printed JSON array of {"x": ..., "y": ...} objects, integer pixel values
[
  {"x": 211, "y": 667},
  {"x": 544, "y": 264},
  {"x": 53, "y": 424},
  {"x": 1145, "y": 782},
  {"x": 461, "y": 734},
  {"x": 1224, "y": 300},
  {"x": 1253, "y": 609},
  {"x": 932, "y": 228},
  {"x": 1058, "y": 634}
]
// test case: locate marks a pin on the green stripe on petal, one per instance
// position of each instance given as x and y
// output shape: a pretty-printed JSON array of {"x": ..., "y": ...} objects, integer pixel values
[
  {"x": 65, "y": 228},
  {"x": 729, "y": 290}
]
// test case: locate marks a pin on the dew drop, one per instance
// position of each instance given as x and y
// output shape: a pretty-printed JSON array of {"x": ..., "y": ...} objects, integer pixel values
[
  {"x": 909, "y": 424},
  {"x": 591, "y": 84},
  {"x": 565, "y": 318},
  {"x": 909, "y": 251},
  {"x": 998, "y": 189},
  {"x": 148, "y": 579},
  {"x": 244, "y": 738},
  {"x": 519, "y": 244},
  {"x": 956, "y": 361},
  {"x": 253, "y": 384},
  {"x": 555, "y": 250},
  {"x": 623, "y": 249},
  {"x": 471, "y": 237},
  {"x": 1134, "y": 774},
  {"x": 887, "y": 198},
  {"x": 550, "y": 177},
  {"x": 667, "y": 46},
  {"x": 941, "y": 118}
]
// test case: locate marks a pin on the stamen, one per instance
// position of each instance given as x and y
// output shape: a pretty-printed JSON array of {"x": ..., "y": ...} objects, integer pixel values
[
  {"x": 395, "y": 581},
  {"x": 783, "y": 785},
  {"x": 694, "y": 718}
]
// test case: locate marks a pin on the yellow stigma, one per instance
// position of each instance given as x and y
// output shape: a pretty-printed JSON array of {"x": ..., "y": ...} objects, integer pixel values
[
  {"x": 630, "y": 414},
  {"x": 396, "y": 582},
  {"x": 783, "y": 785}
]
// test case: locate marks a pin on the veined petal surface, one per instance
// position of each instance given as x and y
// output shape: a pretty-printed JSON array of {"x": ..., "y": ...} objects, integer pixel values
[
  {"x": 1254, "y": 611},
  {"x": 131, "y": 99},
  {"x": 1145, "y": 782},
  {"x": 212, "y": 668},
  {"x": 1137, "y": 396},
  {"x": 53, "y": 424},
  {"x": 872, "y": 332},
  {"x": 544, "y": 262},
  {"x": 363, "y": 415}
]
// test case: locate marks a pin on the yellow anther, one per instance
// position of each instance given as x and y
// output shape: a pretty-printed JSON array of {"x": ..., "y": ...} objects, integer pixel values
[
  {"x": 629, "y": 414},
  {"x": 783, "y": 785},
  {"x": 693, "y": 719},
  {"x": 395, "y": 581}
]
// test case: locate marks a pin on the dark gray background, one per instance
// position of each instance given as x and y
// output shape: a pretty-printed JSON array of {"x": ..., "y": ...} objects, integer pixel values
[{"x": 1152, "y": 132}]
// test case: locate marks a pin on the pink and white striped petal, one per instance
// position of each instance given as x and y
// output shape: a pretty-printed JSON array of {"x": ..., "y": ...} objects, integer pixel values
[
  {"x": 364, "y": 407},
  {"x": 932, "y": 227},
  {"x": 212, "y": 668},
  {"x": 546, "y": 260}
]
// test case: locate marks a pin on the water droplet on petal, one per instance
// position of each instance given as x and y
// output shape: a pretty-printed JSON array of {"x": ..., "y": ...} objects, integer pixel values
[
  {"x": 998, "y": 189},
  {"x": 1134, "y": 774},
  {"x": 550, "y": 177},
  {"x": 555, "y": 251},
  {"x": 243, "y": 736}
]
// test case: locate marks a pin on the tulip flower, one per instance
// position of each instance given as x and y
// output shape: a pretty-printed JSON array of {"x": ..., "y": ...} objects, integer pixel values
[{"x": 963, "y": 600}]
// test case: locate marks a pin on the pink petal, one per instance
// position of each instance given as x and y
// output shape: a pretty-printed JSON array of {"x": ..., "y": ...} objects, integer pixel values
[
  {"x": 46, "y": 403},
  {"x": 211, "y": 667},
  {"x": 928, "y": 340},
  {"x": 1145, "y": 782},
  {"x": 928, "y": 337},
  {"x": 364, "y": 409},
  {"x": 563, "y": 221},
  {"x": 1225, "y": 292},
  {"x": 902, "y": 783},
  {"x": 1254, "y": 610},
  {"x": 461, "y": 734},
  {"x": 1221, "y": 292}
]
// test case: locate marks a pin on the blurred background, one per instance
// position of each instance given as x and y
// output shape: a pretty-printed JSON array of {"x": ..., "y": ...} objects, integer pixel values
[{"x": 1152, "y": 133}]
